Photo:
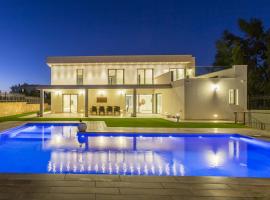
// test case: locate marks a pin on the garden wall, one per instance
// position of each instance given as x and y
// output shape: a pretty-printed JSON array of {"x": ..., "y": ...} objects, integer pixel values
[{"x": 14, "y": 108}]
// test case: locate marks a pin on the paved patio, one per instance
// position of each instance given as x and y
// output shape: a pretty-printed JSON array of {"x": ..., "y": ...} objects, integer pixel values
[{"x": 103, "y": 187}]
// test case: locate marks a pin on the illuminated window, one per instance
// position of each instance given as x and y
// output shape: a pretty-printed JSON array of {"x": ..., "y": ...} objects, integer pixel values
[
  {"x": 116, "y": 76},
  {"x": 189, "y": 73},
  {"x": 145, "y": 76},
  {"x": 233, "y": 96},
  {"x": 177, "y": 73},
  {"x": 79, "y": 76}
]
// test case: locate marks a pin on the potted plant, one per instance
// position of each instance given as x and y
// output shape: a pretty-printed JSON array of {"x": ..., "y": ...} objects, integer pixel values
[{"x": 82, "y": 126}]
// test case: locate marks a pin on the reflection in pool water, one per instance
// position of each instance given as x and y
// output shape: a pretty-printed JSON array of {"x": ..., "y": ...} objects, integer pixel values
[{"x": 47, "y": 148}]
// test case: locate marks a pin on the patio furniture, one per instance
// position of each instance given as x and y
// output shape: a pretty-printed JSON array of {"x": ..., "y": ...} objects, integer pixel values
[
  {"x": 101, "y": 109},
  {"x": 109, "y": 109},
  {"x": 116, "y": 109},
  {"x": 94, "y": 110}
]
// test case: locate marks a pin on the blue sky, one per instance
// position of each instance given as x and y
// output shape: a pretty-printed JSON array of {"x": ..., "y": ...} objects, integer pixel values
[{"x": 32, "y": 30}]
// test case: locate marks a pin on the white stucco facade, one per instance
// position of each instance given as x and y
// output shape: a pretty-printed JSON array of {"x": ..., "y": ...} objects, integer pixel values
[{"x": 166, "y": 85}]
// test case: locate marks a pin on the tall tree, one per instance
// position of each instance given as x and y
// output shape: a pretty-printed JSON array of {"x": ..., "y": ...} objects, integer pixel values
[
  {"x": 29, "y": 90},
  {"x": 251, "y": 48}
]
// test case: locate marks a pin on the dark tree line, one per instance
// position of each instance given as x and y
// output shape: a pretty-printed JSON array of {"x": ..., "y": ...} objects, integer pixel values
[
  {"x": 252, "y": 48},
  {"x": 25, "y": 89},
  {"x": 29, "y": 90}
]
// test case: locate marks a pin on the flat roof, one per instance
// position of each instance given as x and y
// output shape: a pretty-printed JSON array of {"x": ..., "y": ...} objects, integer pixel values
[
  {"x": 132, "y": 86},
  {"x": 118, "y": 59}
]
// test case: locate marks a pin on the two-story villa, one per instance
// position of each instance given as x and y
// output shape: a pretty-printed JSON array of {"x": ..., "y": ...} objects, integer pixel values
[{"x": 161, "y": 84}]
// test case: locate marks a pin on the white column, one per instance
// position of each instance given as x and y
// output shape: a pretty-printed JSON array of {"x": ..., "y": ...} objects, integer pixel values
[
  {"x": 154, "y": 104},
  {"x": 41, "y": 107},
  {"x": 86, "y": 103},
  {"x": 134, "y": 114}
]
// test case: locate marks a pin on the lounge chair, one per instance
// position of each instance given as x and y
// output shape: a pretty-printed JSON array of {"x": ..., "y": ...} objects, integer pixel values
[
  {"x": 109, "y": 109},
  {"x": 94, "y": 110},
  {"x": 101, "y": 109},
  {"x": 116, "y": 109}
]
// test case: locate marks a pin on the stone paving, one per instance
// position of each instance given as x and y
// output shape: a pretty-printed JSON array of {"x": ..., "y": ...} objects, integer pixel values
[{"x": 102, "y": 187}]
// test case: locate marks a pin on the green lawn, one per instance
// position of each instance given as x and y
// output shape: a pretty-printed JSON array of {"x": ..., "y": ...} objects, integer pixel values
[
  {"x": 131, "y": 122},
  {"x": 15, "y": 117}
]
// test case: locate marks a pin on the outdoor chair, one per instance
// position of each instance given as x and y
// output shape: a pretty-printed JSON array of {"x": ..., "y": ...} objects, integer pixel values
[
  {"x": 94, "y": 110},
  {"x": 109, "y": 110},
  {"x": 116, "y": 109},
  {"x": 101, "y": 110}
]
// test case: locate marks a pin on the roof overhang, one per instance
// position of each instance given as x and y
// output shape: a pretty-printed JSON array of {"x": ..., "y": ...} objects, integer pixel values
[
  {"x": 130, "y": 59},
  {"x": 150, "y": 86}
]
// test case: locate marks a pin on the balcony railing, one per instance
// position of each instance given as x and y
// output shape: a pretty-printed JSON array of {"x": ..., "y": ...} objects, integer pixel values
[{"x": 202, "y": 70}]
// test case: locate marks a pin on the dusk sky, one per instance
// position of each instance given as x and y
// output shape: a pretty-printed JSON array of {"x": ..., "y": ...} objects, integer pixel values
[{"x": 32, "y": 30}]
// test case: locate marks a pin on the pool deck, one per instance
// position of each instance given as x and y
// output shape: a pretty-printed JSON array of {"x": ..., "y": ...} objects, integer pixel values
[
  {"x": 105, "y": 187},
  {"x": 115, "y": 187}
]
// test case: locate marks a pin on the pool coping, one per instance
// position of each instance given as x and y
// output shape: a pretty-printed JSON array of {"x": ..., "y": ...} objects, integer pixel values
[
  {"x": 254, "y": 133},
  {"x": 100, "y": 187}
]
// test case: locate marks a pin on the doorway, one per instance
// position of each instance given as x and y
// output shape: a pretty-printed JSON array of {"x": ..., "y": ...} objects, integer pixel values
[
  {"x": 145, "y": 103},
  {"x": 129, "y": 103},
  {"x": 70, "y": 103}
]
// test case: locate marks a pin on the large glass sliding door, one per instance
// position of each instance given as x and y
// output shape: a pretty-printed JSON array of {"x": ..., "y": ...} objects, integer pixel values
[
  {"x": 129, "y": 103},
  {"x": 70, "y": 103},
  {"x": 144, "y": 103}
]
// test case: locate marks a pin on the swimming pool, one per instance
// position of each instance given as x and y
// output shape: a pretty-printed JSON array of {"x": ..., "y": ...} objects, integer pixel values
[{"x": 57, "y": 148}]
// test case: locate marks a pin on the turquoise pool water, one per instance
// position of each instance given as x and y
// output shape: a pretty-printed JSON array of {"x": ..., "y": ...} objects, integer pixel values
[{"x": 58, "y": 148}]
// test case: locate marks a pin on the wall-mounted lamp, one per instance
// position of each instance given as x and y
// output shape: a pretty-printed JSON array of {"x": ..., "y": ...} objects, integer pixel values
[
  {"x": 121, "y": 92},
  {"x": 58, "y": 92},
  {"x": 81, "y": 92},
  {"x": 215, "y": 87},
  {"x": 215, "y": 115},
  {"x": 101, "y": 92}
]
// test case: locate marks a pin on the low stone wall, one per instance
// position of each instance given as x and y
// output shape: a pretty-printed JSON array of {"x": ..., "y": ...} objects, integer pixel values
[{"x": 14, "y": 108}]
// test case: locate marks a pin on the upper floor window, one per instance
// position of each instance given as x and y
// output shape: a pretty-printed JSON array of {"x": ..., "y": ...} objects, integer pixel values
[
  {"x": 145, "y": 76},
  {"x": 116, "y": 76},
  {"x": 233, "y": 96},
  {"x": 177, "y": 73},
  {"x": 79, "y": 77}
]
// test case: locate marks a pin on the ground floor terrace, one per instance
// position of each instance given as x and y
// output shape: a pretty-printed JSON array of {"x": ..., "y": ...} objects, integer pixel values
[{"x": 147, "y": 100}]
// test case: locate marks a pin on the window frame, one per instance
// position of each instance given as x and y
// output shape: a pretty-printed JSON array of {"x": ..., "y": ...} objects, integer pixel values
[
  {"x": 172, "y": 75},
  {"x": 233, "y": 96},
  {"x": 115, "y": 70},
  {"x": 144, "y": 72},
  {"x": 77, "y": 76}
]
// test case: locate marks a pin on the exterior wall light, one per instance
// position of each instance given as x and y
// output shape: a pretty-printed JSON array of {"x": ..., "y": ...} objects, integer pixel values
[
  {"x": 215, "y": 87},
  {"x": 81, "y": 92},
  {"x": 58, "y": 92},
  {"x": 121, "y": 92},
  {"x": 177, "y": 117},
  {"x": 101, "y": 92},
  {"x": 215, "y": 115}
]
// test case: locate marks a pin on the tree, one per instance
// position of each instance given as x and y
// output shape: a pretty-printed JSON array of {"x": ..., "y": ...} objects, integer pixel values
[
  {"x": 25, "y": 89},
  {"x": 29, "y": 90},
  {"x": 251, "y": 48}
]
